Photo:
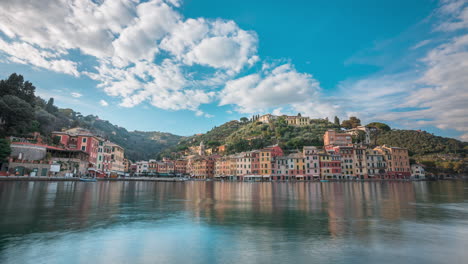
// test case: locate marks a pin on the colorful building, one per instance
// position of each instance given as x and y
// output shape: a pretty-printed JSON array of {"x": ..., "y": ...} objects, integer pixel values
[
  {"x": 376, "y": 165},
  {"x": 334, "y": 138},
  {"x": 330, "y": 166},
  {"x": 312, "y": 162},
  {"x": 397, "y": 161}
]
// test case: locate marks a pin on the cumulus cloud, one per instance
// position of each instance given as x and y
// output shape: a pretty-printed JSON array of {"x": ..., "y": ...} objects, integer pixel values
[
  {"x": 103, "y": 103},
  {"x": 272, "y": 88},
  {"x": 126, "y": 37},
  {"x": 218, "y": 44}
]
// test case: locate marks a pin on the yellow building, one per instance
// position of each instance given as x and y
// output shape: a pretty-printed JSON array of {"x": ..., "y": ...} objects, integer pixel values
[
  {"x": 265, "y": 159},
  {"x": 297, "y": 120}
]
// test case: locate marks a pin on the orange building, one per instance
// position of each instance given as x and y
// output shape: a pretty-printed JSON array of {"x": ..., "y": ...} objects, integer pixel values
[
  {"x": 397, "y": 161},
  {"x": 333, "y": 138}
]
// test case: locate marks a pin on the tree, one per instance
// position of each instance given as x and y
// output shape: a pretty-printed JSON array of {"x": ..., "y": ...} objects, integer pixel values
[
  {"x": 353, "y": 122},
  {"x": 50, "y": 107},
  {"x": 5, "y": 149},
  {"x": 15, "y": 85},
  {"x": 244, "y": 119},
  {"x": 337, "y": 121},
  {"x": 16, "y": 114},
  {"x": 378, "y": 125},
  {"x": 56, "y": 140},
  {"x": 376, "y": 129}
]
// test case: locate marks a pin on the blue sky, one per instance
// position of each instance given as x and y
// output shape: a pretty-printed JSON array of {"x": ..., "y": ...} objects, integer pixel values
[{"x": 187, "y": 66}]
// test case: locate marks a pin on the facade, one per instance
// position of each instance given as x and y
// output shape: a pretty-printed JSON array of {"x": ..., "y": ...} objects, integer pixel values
[
  {"x": 366, "y": 130},
  {"x": 297, "y": 120},
  {"x": 360, "y": 162},
  {"x": 397, "y": 161},
  {"x": 203, "y": 167},
  {"x": 97, "y": 148},
  {"x": 244, "y": 164},
  {"x": 376, "y": 165},
  {"x": 180, "y": 167},
  {"x": 267, "y": 118},
  {"x": 127, "y": 166},
  {"x": 312, "y": 162},
  {"x": 330, "y": 166},
  {"x": 265, "y": 161},
  {"x": 417, "y": 171},
  {"x": 43, "y": 160},
  {"x": 223, "y": 167},
  {"x": 333, "y": 138},
  {"x": 104, "y": 157},
  {"x": 347, "y": 154},
  {"x": 152, "y": 167},
  {"x": 142, "y": 168},
  {"x": 117, "y": 158}
]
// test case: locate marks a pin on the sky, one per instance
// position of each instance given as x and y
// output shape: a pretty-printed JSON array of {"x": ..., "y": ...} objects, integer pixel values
[{"x": 187, "y": 66}]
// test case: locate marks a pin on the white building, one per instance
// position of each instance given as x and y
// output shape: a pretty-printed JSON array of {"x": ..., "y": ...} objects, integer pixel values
[
  {"x": 417, "y": 171},
  {"x": 142, "y": 167}
]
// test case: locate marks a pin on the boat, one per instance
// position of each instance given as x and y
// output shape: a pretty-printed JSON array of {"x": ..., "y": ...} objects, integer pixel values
[
  {"x": 323, "y": 180},
  {"x": 88, "y": 179}
]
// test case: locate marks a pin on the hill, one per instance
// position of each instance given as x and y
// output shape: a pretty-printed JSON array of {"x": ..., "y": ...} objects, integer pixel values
[
  {"x": 421, "y": 144},
  {"x": 248, "y": 135},
  {"x": 23, "y": 113}
]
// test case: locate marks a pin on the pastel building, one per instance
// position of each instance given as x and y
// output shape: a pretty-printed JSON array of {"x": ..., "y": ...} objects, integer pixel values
[
  {"x": 376, "y": 165},
  {"x": 397, "y": 161},
  {"x": 80, "y": 139},
  {"x": 267, "y": 118},
  {"x": 334, "y": 138},
  {"x": 297, "y": 120},
  {"x": 117, "y": 165},
  {"x": 330, "y": 166},
  {"x": 180, "y": 167},
  {"x": 312, "y": 162},
  {"x": 347, "y": 154},
  {"x": 360, "y": 162},
  {"x": 142, "y": 167},
  {"x": 417, "y": 171}
]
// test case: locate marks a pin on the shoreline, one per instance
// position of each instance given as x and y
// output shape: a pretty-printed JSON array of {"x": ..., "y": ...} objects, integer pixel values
[{"x": 75, "y": 179}]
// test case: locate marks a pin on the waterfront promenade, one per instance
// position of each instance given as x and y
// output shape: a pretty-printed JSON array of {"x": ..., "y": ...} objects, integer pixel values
[{"x": 43, "y": 178}]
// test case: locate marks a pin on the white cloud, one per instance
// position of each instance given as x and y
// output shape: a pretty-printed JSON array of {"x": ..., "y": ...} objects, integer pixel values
[
  {"x": 434, "y": 94},
  {"x": 126, "y": 37},
  {"x": 456, "y": 12},
  {"x": 103, "y": 103},
  {"x": 25, "y": 53},
  {"x": 270, "y": 89},
  {"x": 154, "y": 20},
  {"x": 218, "y": 44},
  {"x": 76, "y": 95}
]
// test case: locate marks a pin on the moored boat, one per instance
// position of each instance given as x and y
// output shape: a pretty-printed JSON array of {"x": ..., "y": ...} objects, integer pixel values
[{"x": 88, "y": 179}]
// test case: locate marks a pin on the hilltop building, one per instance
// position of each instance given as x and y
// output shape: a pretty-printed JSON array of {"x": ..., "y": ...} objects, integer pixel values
[{"x": 334, "y": 138}]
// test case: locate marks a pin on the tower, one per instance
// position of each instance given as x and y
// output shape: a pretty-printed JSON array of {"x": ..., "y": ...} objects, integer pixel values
[{"x": 201, "y": 152}]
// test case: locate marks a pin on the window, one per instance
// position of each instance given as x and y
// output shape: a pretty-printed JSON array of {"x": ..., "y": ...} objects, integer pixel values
[
  {"x": 84, "y": 140},
  {"x": 83, "y": 148}
]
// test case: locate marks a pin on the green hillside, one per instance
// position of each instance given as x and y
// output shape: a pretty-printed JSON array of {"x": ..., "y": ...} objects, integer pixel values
[
  {"x": 248, "y": 135},
  {"x": 421, "y": 143},
  {"x": 22, "y": 113}
]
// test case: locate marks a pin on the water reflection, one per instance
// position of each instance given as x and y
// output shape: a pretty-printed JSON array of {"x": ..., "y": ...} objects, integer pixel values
[{"x": 226, "y": 222}]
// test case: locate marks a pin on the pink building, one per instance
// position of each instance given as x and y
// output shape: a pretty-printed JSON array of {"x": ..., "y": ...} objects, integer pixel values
[
  {"x": 331, "y": 137},
  {"x": 80, "y": 139},
  {"x": 312, "y": 162}
]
